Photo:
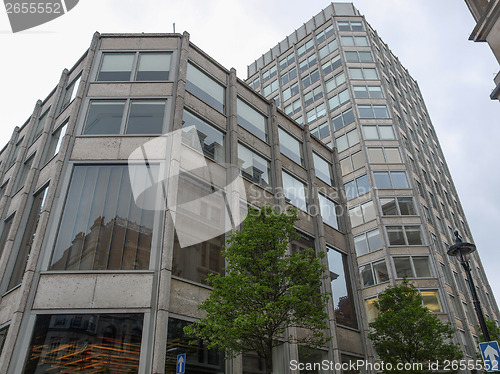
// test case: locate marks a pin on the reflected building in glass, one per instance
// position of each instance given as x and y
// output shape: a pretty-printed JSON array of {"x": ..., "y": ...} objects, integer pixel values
[
  {"x": 118, "y": 193},
  {"x": 341, "y": 82}
]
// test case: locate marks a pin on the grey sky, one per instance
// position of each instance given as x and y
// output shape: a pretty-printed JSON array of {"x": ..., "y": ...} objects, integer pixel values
[{"x": 430, "y": 38}]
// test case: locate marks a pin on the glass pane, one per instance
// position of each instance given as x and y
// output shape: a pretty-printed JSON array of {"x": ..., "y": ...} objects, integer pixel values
[
  {"x": 422, "y": 268},
  {"x": 356, "y": 216},
  {"x": 392, "y": 155},
  {"x": 361, "y": 245},
  {"x": 368, "y": 211},
  {"x": 406, "y": 206},
  {"x": 370, "y": 73},
  {"x": 413, "y": 235},
  {"x": 431, "y": 300},
  {"x": 374, "y": 240},
  {"x": 350, "y": 189},
  {"x": 153, "y": 67},
  {"x": 370, "y": 132},
  {"x": 376, "y": 155},
  {"x": 365, "y": 111},
  {"x": 360, "y": 92},
  {"x": 116, "y": 67},
  {"x": 366, "y": 276},
  {"x": 85, "y": 343},
  {"x": 104, "y": 118},
  {"x": 403, "y": 267},
  {"x": 382, "y": 179},
  {"x": 253, "y": 166},
  {"x": 205, "y": 88},
  {"x": 363, "y": 185},
  {"x": 290, "y": 147},
  {"x": 355, "y": 73},
  {"x": 328, "y": 211},
  {"x": 386, "y": 132},
  {"x": 375, "y": 92},
  {"x": 341, "y": 143},
  {"x": 399, "y": 179},
  {"x": 395, "y": 234},
  {"x": 351, "y": 56},
  {"x": 353, "y": 137},
  {"x": 210, "y": 138},
  {"x": 371, "y": 309},
  {"x": 380, "y": 272},
  {"x": 322, "y": 169},
  {"x": 358, "y": 160},
  {"x": 146, "y": 117},
  {"x": 294, "y": 191},
  {"x": 389, "y": 207},
  {"x": 380, "y": 111},
  {"x": 102, "y": 228},
  {"x": 251, "y": 120}
]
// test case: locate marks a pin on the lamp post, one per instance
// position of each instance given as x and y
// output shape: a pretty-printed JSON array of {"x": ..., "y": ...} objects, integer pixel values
[{"x": 463, "y": 250}]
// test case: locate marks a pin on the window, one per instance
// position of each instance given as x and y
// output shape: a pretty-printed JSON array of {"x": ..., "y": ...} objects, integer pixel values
[
  {"x": 205, "y": 88},
  {"x": 307, "y": 63},
  {"x": 108, "y": 117},
  {"x": 358, "y": 56},
  {"x": 23, "y": 174},
  {"x": 101, "y": 226},
  {"x": 335, "y": 82},
  {"x": 362, "y": 213},
  {"x": 374, "y": 273},
  {"x": 321, "y": 131},
  {"x": 365, "y": 92},
  {"x": 404, "y": 235},
  {"x": 270, "y": 88},
  {"x": 397, "y": 206},
  {"x": 151, "y": 66},
  {"x": 210, "y": 138},
  {"x": 373, "y": 111},
  {"x": 352, "y": 162},
  {"x": 315, "y": 113},
  {"x": 367, "y": 242},
  {"x": 310, "y": 78},
  {"x": 254, "y": 167},
  {"x": 412, "y": 266},
  {"x": 328, "y": 49},
  {"x": 288, "y": 76},
  {"x": 347, "y": 140},
  {"x": 431, "y": 300},
  {"x": 268, "y": 74},
  {"x": 384, "y": 155},
  {"x": 294, "y": 107},
  {"x": 304, "y": 48},
  {"x": 339, "y": 99},
  {"x": 343, "y": 119},
  {"x": 13, "y": 154},
  {"x": 357, "y": 187},
  {"x": 71, "y": 91},
  {"x": 312, "y": 96},
  {"x": 349, "y": 41},
  {"x": 3, "y": 337},
  {"x": 378, "y": 132},
  {"x": 458, "y": 281},
  {"x": 251, "y": 120},
  {"x": 56, "y": 141},
  {"x": 294, "y": 190},
  {"x": 350, "y": 25},
  {"x": 28, "y": 237},
  {"x": 291, "y": 147},
  {"x": 390, "y": 179},
  {"x": 5, "y": 232},
  {"x": 86, "y": 340},
  {"x": 363, "y": 73},
  {"x": 287, "y": 61},
  {"x": 371, "y": 309},
  {"x": 254, "y": 84},
  {"x": 343, "y": 301},
  {"x": 291, "y": 91},
  {"x": 331, "y": 65},
  {"x": 42, "y": 120},
  {"x": 323, "y": 169},
  {"x": 328, "y": 211},
  {"x": 324, "y": 34}
]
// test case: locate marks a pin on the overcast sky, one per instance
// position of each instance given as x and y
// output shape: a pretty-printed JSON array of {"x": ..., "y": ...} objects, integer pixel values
[{"x": 430, "y": 38}]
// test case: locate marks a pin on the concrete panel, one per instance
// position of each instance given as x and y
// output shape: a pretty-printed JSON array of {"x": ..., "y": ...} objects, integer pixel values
[
  {"x": 141, "y": 42},
  {"x": 8, "y": 304},
  {"x": 129, "y": 144},
  {"x": 61, "y": 291},
  {"x": 349, "y": 340},
  {"x": 109, "y": 89},
  {"x": 90, "y": 148},
  {"x": 123, "y": 291},
  {"x": 185, "y": 298},
  {"x": 200, "y": 108},
  {"x": 151, "y": 89}
]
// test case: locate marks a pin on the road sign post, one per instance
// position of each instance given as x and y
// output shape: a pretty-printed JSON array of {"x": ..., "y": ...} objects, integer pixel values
[{"x": 491, "y": 356}]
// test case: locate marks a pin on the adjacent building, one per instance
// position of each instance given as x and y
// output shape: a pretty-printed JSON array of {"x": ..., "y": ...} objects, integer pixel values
[
  {"x": 486, "y": 13},
  {"x": 118, "y": 192},
  {"x": 337, "y": 78}
]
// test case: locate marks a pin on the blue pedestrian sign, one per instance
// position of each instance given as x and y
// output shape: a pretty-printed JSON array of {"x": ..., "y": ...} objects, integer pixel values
[
  {"x": 491, "y": 356},
  {"x": 181, "y": 364}
]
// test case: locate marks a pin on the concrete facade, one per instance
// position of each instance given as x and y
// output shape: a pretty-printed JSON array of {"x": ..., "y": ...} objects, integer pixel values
[{"x": 337, "y": 77}]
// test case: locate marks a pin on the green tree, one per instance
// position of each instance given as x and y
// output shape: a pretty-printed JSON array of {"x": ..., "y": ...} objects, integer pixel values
[
  {"x": 265, "y": 290},
  {"x": 406, "y": 332},
  {"x": 493, "y": 330}
]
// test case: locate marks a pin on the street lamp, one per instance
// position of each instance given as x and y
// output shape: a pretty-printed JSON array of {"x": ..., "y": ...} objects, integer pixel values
[{"x": 463, "y": 250}]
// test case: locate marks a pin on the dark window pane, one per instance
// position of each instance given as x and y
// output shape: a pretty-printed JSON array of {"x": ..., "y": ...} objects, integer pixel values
[
  {"x": 116, "y": 67},
  {"x": 104, "y": 118},
  {"x": 146, "y": 117},
  {"x": 413, "y": 235},
  {"x": 85, "y": 343},
  {"x": 395, "y": 234},
  {"x": 389, "y": 207},
  {"x": 101, "y": 227},
  {"x": 366, "y": 276},
  {"x": 5, "y": 232},
  {"x": 153, "y": 67},
  {"x": 403, "y": 267},
  {"x": 422, "y": 268},
  {"x": 406, "y": 206}
]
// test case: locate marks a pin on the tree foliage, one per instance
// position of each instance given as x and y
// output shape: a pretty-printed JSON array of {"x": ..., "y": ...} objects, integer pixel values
[
  {"x": 406, "y": 332},
  {"x": 493, "y": 330},
  {"x": 265, "y": 290}
]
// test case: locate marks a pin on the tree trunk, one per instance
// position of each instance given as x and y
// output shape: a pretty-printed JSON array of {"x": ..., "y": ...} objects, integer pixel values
[{"x": 269, "y": 358}]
